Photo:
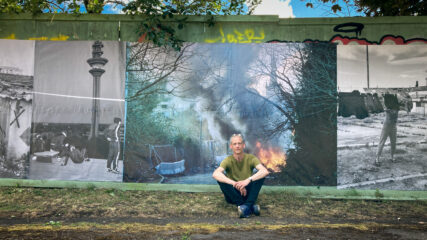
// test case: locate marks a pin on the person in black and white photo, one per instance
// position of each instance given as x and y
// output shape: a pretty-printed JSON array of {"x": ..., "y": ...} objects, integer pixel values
[
  {"x": 111, "y": 133},
  {"x": 389, "y": 129}
]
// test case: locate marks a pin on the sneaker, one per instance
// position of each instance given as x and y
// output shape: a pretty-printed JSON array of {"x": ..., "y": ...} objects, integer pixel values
[
  {"x": 244, "y": 211},
  {"x": 256, "y": 209},
  {"x": 109, "y": 170}
]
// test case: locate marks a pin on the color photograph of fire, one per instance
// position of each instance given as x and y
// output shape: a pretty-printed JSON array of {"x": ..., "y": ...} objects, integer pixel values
[
  {"x": 182, "y": 107},
  {"x": 382, "y": 123}
]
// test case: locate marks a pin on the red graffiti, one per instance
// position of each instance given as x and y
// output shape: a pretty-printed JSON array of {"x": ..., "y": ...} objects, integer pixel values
[{"x": 388, "y": 39}]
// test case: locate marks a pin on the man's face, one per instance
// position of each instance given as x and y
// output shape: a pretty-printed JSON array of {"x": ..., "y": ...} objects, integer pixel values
[{"x": 237, "y": 145}]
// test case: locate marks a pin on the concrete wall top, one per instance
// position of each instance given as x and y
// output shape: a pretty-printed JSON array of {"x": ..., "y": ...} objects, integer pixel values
[{"x": 227, "y": 29}]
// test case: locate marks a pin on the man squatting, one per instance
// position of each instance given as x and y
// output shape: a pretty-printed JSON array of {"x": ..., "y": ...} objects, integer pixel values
[{"x": 238, "y": 184}]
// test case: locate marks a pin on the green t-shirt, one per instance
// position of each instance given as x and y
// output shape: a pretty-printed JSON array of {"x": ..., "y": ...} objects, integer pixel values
[{"x": 238, "y": 171}]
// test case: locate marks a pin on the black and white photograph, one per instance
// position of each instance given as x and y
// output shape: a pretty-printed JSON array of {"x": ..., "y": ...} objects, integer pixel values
[
  {"x": 182, "y": 108},
  {"x": 78, "y": 114},
  {"x": 382, "y": 123},
  {"x": 16, "y": 86}
]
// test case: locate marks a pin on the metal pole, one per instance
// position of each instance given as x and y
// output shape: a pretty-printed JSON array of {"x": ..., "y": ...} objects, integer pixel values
[{"x": 367, "y": 64}]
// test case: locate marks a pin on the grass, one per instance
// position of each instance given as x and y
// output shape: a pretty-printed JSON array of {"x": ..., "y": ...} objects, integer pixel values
[
  {"x": 115, "y": 214},
  {"x": 34, "y": 203}
]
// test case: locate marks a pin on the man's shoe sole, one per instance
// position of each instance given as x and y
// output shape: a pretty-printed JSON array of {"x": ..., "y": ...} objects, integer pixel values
[
  {"x": 256, "y": 209},
  {"x": 241, "y": 213}
]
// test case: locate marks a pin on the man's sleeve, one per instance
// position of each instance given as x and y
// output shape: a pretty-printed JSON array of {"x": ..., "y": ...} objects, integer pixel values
[
  {"x": 255, "y": 161},
  {"x": 224, "y": 163}
]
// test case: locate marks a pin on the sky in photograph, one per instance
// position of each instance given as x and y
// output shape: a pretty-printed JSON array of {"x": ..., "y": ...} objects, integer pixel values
[
  {"x": 64, "y": 86},
  {"x": 17, "y": 54},
  {"x": 394, "y": 66}
]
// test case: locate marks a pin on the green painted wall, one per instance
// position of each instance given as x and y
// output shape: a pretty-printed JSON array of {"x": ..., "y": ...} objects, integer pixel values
[
  {"x": 243, "y": 29},
  {"x": 239, "y": 29}
]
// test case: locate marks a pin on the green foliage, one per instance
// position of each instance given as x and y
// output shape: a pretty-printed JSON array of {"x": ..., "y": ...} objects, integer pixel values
[
  {"x": 314, "y": 158},
  {"x": 91, "y": 187},
  {"x": 374, "y": 8},
  {"x": 378, "y": 194},
  {"x": 147, "y": 125},
  {"x": 186, "y": 236},
  {"x": 53, "y": 223},
  {"x": 352, "y": 192},
  {"x": 392, "y": 7},
  {"x": 47, "y": 6}
]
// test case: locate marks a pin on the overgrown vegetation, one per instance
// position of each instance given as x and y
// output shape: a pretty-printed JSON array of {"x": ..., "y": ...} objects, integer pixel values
[{"x": 68, "y": 204}]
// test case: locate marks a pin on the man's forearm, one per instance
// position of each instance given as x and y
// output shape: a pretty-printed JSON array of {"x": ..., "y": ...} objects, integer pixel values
[
  {"x": 259, "y": 175},
  {"x": 220, "y": 177}
]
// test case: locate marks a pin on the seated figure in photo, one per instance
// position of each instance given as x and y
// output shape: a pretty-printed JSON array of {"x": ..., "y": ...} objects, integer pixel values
[
  {"x": 76, "y": 155},
  {"x": 238, "y": 184},
  {"x": 72, "y": 147}
]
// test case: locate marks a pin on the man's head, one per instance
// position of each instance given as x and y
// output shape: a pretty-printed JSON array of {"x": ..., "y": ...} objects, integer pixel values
[
  {"x": 117, "y": 120},
  {"x": 237, "y": 143}
]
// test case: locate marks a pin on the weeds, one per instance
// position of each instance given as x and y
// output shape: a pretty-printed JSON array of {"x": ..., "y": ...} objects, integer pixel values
[
  {"x": 38, "y": 192},
  {"x": 186, "y": 236},
  {"x": 352, "y": 192},
  {"x": 378, "y": 194},
  {"x": 91, "y": 187},
  {"x": 53, "y": 223},
  {"x": 31, "y": 203}
]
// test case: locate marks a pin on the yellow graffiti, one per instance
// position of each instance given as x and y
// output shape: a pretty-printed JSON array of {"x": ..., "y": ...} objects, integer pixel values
[
  {"x": 60, "y": 37},
  {"x": 11, "y": 36},
  {"x": 247, "y": 36}
]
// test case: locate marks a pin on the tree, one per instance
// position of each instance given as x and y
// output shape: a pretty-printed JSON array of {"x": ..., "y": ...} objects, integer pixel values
[
  {"x": 142, "y": 7},
  {"x": 303, "y": 90},
  {"x": 373, "y": 8},
  {"x": 392, "y": 8},
  {"x": 154, "y": 73}
]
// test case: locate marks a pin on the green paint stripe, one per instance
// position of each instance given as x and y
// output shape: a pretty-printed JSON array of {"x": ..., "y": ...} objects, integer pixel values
[{"x": 300, "y": 191}]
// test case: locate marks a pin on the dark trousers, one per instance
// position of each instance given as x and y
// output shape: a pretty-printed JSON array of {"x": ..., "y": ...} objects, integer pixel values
[
  {"x": 113, "y": 154},
  {"x": 233, "y": 196}
]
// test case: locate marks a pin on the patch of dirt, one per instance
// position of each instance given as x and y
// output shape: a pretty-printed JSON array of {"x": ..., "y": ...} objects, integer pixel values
[{"x": 235, "y": 231}]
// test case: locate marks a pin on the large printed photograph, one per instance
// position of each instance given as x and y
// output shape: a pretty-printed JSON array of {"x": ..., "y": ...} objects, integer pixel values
[
  {"x": 183, "y": 106},
  {"x": 78, "y": 114},
  {"x": 16, "y": 87},
  {"x": 382, "y": 122}
]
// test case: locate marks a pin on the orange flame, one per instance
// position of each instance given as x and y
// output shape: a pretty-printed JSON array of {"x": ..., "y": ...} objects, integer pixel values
[{"x": 271, "y": 157}]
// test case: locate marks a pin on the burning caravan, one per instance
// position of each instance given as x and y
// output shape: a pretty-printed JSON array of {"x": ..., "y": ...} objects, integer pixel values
[{"x": 15, "y": 114}]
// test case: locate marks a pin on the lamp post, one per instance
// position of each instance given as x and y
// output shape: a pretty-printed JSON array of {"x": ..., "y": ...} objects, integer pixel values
[{"x": 97, "y": 64}]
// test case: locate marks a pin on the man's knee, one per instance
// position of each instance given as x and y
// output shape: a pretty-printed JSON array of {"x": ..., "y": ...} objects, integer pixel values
[{"x": 258, "y": 182}]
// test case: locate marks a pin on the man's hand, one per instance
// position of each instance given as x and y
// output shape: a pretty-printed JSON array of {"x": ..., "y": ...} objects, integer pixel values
[
  {"x": 243, "y": 192},
  {"x": 240, "y": 185}
]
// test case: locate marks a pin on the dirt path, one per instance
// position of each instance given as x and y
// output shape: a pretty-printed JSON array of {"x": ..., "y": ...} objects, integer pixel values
[{"x": 211, "y": 228}]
